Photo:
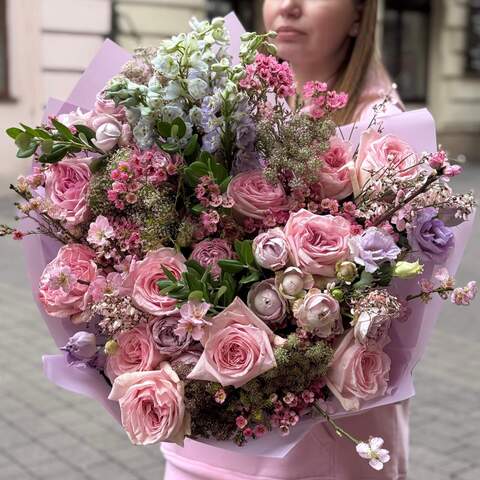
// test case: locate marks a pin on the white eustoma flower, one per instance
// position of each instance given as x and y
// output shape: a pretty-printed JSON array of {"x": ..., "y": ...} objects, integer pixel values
[{"x": 374, "y": 452}]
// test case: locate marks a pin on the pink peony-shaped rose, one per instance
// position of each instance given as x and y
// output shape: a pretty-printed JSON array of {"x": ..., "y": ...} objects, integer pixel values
[
  {"x": 108, "y": 131},
  {"x": 208, "y": 252},
  {"x": 357, "y": 372},
  {"x": 317, "y": 242},
  {"x": 334, "y": 180},
  {"x": 141, "y": 281},
  {"x": 238, "y": 347},
  {"x": 64, "y": 284},
  {"x": 318, "y": 313},
  {"x": 152, "y": 406},
  {"x": 271, "y": 249},
  {"x": 254, "y": 197},
  {"x": 66, "y": 187},
  {"x": 376, "y": 152},
  {"x": 136, "y": 353}
]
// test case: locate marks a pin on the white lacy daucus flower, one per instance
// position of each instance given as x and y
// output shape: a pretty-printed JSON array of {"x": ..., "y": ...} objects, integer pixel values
[{"x": 374, "y": 452}]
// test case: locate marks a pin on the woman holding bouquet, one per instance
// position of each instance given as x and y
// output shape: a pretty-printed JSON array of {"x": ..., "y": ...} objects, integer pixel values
[{"x": 331, "y": 41}]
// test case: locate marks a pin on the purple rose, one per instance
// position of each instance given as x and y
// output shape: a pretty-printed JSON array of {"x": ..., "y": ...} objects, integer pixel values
[
  {"x": 168, "y": 343},
  {"x": 373, "y": 247},
  {"x": 429, "y": 237},
  {"x": 266, "y": 302}
]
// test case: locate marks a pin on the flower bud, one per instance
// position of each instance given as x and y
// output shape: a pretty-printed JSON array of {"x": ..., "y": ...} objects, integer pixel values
[
  {"x": 337, "y": 294},
  {"x": 111, "y": 347},
  {"x": 217, "y": 22},
  {"x": 81, "y": 347},
  {"x": 407, "y": 269},
  {"x": 346, "y": 271}
]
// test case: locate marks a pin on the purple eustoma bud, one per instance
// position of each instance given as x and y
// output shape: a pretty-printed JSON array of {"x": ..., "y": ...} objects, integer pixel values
[{"x": 81, "y": 348}]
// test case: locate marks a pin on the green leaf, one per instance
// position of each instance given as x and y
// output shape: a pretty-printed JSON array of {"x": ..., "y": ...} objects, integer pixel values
[
  {"x": 29, "y": 130},
  {"x": 169, "y": 147},
  {"x": 198, "y": 209},
  {"x": 252, "y": 277},
  {"x": 47, "y": 146},
  {"x": 366, "y": 279},
  {"x": 224, "y": 184},
  {"x": 196, "y": 295},
  {"x": 88, "y": 132},
  {"x": 191, "y": 146},
  {"x": 220, "y": 293},
  {"x": 62, "y": 129},
  {"x": 219, "y": 171},
  {"x": 58, "y": 152},
  {"x": 23, "y": 141},
  {"x": 13, "y": 132},
  {"x": 167, "y": 290},
  {"x": 204, "y": 157},
  {"x": 97, "y": 164},
  {"x": 169, "y": 274},
  {"x": 164, "y": 129},
  {"x": 181, "y": 128},
  {"x": 194, "y": 265},
  {"x": 27, "y": 152},
  {"x": 247, "y": 252},
  {"x": 41, "y": 133},
  {"x": 231, "y": 266},
  {"x": 163, "y": 283},
  {"x": 198, "y": 169},
  {"x": 238, "y": 250}
]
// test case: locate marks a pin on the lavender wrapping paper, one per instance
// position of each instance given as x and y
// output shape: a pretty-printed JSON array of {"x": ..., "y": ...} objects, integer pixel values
[{"x": 409, "y": 339}]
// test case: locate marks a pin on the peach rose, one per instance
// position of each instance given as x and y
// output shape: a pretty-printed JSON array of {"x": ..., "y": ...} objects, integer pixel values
[
  {"x": 317, "y": 242},
  {"x": 64, "y": 284},
  {"x": 141, "y": 281},
  {"x": 238, "y": 347},
  {"x": 152, "y": 406},
  {"x": 136, "y": 352},
  {"x": 357, "y": 372},
  {"x": 66, "y": 188},
  {"x": 254, "y": 197},
  {"x": 378, "y": 151}
]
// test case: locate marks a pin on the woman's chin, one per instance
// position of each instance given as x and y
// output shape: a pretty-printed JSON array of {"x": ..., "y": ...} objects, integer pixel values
[{"x": 290, "y": 51}]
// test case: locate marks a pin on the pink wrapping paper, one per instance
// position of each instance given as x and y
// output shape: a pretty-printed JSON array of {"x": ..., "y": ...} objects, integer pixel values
[{"x": 409, "y": 339}]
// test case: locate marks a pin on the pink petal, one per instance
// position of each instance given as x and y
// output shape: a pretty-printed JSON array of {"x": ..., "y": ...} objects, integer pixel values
[
  {"x": 363, "y": 449},
  {"x": 376, "y": 464},
  {"x": 376, "y": 443}
]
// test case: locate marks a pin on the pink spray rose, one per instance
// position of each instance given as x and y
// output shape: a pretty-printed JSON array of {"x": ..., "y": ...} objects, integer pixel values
[
  {"x": 334, "y": 181},
  {"x": 266, "y": 302},
  {"x": 378, "y": 151},
  {"x": 208, "y": 252},
  {"x": 357, "y": 372},
  {"x": 317, "y": 242},
  {"x": 141, "y": 282},
  {"x": 108, "y": 131},
  {"x": 318, "y": 313},
  {"x": 271, "y": 249},
  {"x": 136, "y": 353},
  {"x": 65, "y": 281},
  {"x": 238, "y": 347},
  {"x": 152, "y": 406},
  {"x": 66, "y": 187},
  {"x": 254, "y": 197}
]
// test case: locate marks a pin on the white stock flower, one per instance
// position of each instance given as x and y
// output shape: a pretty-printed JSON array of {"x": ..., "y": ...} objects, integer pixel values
[
  {"x": 197, "y": 88},
  {"x": 167, "y": 65},
  {"x": 374, "y": 452}
]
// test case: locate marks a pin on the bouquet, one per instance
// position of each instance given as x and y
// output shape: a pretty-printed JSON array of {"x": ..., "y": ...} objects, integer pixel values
[{"x": 226, "y": 265}]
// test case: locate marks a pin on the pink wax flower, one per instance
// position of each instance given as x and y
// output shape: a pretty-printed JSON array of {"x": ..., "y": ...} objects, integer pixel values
[
  {"x": 60, "y": 290},
  {"x": 136, "y": 352},
  {"x": 241, "y": 422},
  {"x": 334, "y": 180},
  {"x": 152, "y": 406},
  {"x": 357, "y": 372},
  {"x": 237, "y": 347},
  {"x": 376, "y": 152},
  {"x": 318, "y": 313},
  {"x": 317, "y": 242},
  {"x": 254, "y": 197},
  {"x": 208, "y": 252},
  {"x": 260, "y": 430},
  {"x": 66, "y": 187},
  {"x": 192, "y": 321},
  {"x": 141, "y": 281},
  {"x": 100, "y": 231},
  {"x": 271, "y": 249}
]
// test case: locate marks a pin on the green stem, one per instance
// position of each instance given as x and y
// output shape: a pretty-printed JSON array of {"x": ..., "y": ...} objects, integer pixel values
[{"x": 338, "y": 430}]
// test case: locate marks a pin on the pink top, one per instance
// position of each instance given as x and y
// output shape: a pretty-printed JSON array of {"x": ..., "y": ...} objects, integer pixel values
[{"x": 321, "y": 455}]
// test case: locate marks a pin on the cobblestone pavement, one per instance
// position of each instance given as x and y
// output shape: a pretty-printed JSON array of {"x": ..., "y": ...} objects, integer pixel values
[{"x": 46, "y": 433}]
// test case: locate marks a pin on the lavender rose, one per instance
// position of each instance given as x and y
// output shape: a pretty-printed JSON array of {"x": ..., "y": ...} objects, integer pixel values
[
  {"x": 169, "y": 343},
  {"x": 429, "y": 237},
  {"x": 372, "y": 248},
  {"x": 271, "y": 249},
  {"x": 266, "y": 302},
  {"x": 208, "y": 252}
]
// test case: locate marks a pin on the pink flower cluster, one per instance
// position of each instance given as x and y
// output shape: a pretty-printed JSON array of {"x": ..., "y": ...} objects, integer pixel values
[
  {"x": 267, "y": 71},
  {"x": 439, "y": 161},
  {"x": 209, "y": 194},
  {"x": 321, "y": 101}
]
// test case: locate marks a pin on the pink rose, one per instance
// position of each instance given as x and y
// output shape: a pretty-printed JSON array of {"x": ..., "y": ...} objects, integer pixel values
[
  {"x": 152, "y": 406},
  {"x": 317, "y": 242},
  {"x": 357, "y": 372},
  {"x": 169, "y": 343},
  {"x": 266, "y": 302},
  {"x": 376, "y": 152},
  {"x": 334, "y": 180},
  {"x": 107, "y": 107},
  {"x": 271, "y": 249},
  {"x": 254, "y": 197},
  {"x": 141, "y": 282},
  {"x": 208, "y": 252},
  {"x": 66, "y": 187},
  {"x": 64, "y": 283},
  {"x": 136, "y": 353},
  {"x": 108, "y": 131},
  {"x": 318, "y": 313},
  {"x": 238, "y": 347}
]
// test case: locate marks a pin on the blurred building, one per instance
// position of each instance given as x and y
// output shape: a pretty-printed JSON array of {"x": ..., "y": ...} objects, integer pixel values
[{"x": 46, "y": 44}]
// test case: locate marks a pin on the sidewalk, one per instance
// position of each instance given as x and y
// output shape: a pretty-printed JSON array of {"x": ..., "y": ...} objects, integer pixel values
[{"x": 46, "y": 433}]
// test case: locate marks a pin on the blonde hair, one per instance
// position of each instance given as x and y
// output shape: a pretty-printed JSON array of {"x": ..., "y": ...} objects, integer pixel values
[{"x": 359, "y": 59}]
